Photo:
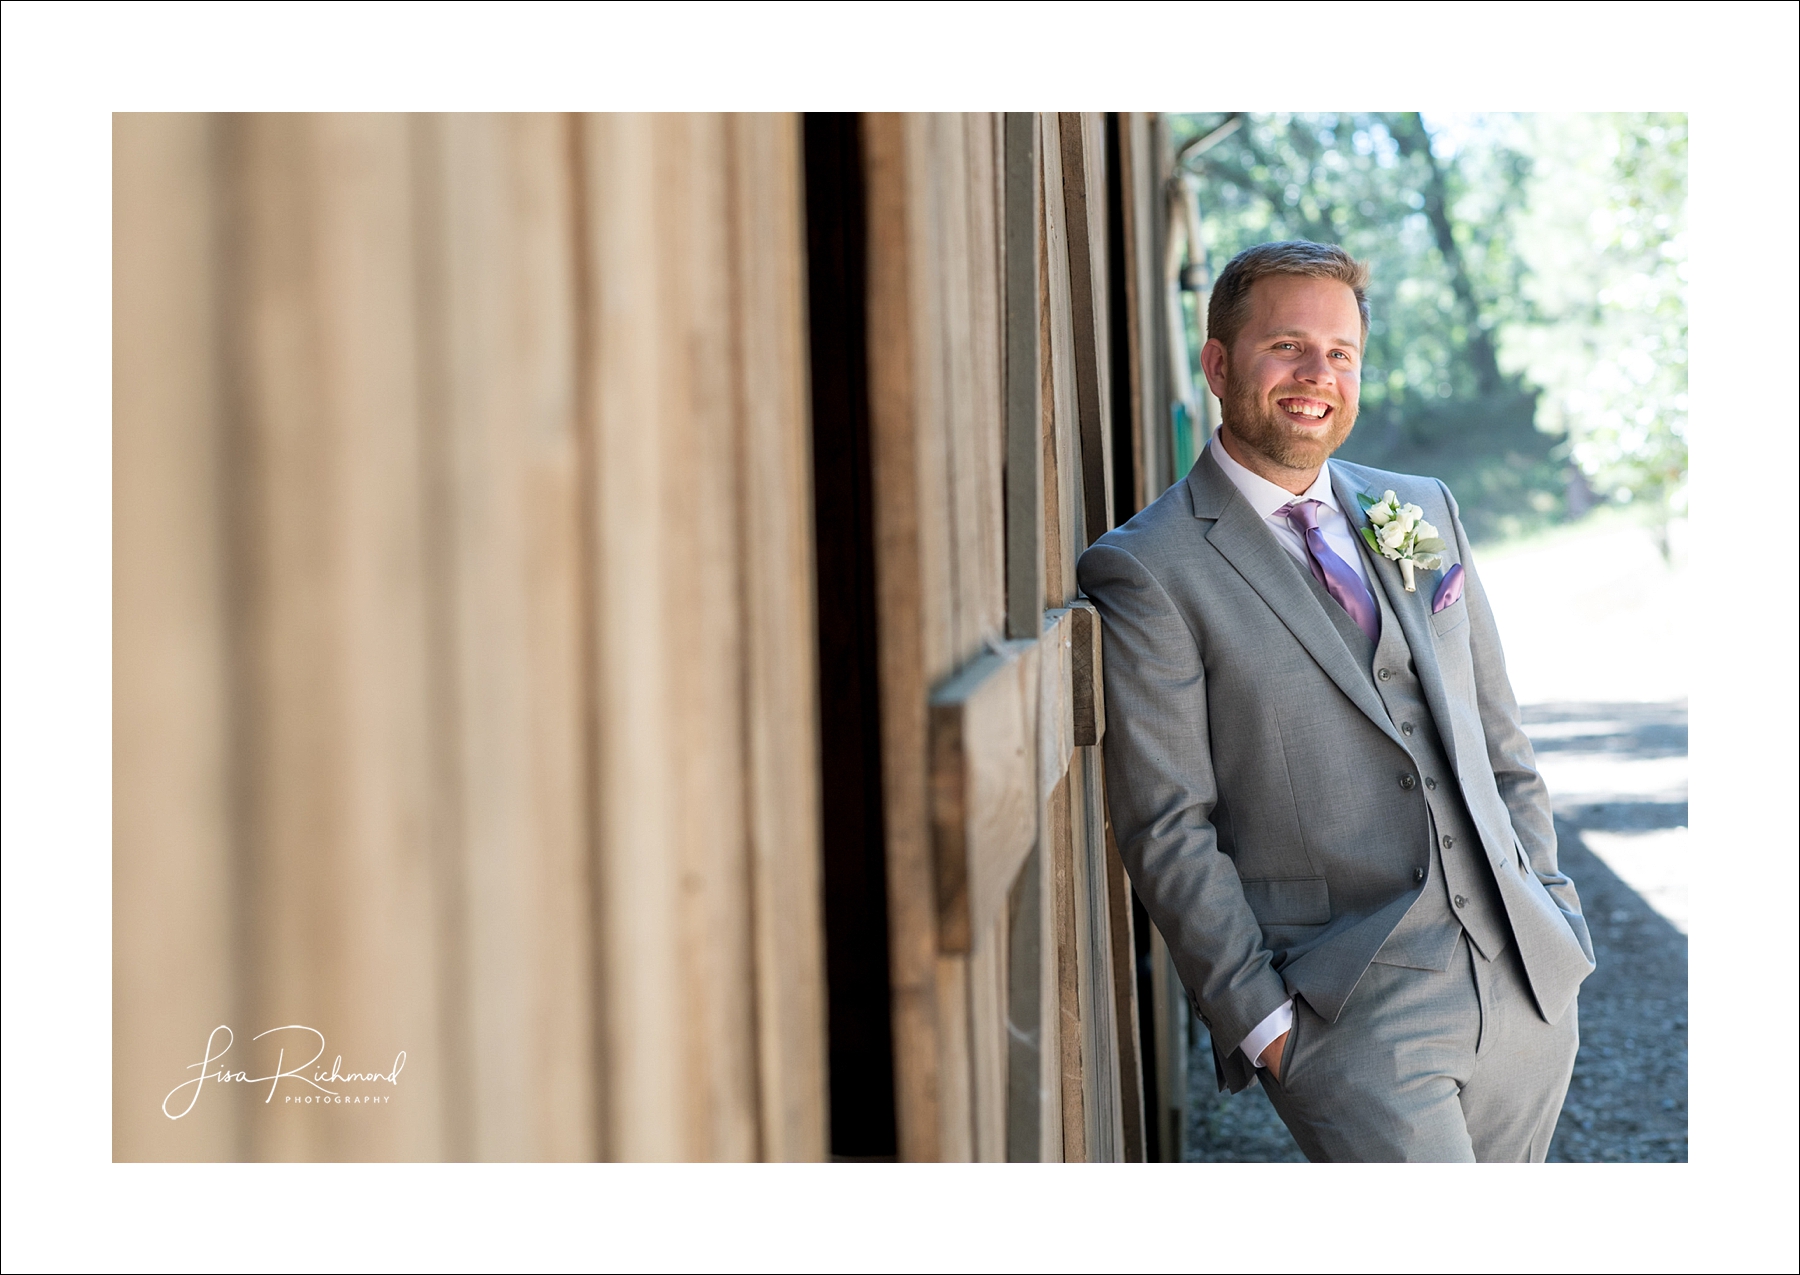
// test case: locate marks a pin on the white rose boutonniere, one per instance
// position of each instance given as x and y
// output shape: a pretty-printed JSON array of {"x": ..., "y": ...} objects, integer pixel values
[{"x": 1400, "y": 533}]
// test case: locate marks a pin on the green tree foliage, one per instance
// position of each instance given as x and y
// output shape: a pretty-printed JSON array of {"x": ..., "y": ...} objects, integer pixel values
[
  {"x": 1516, "y": 349},
  {"x": 1603, "y": 327}
]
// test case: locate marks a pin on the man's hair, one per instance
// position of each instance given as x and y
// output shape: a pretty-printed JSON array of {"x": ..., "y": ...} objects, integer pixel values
[{"x": 1229, "y": 308}]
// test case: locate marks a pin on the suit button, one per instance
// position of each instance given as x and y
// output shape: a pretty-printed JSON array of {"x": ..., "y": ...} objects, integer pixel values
[
  {"x": 1406, "y": 728},
  {"x": 1461, "y": 902},
  {"x": 1431, "y": 783},
  {"x": 1384, "y": 674},
  {"x": 1418, "y": 875},
  {"x": 1407, "y": 782},
  {"x": 1449, "y": 842}
]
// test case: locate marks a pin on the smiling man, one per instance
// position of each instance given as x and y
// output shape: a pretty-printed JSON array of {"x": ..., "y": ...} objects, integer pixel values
[{"x": 1315, "y": 765}]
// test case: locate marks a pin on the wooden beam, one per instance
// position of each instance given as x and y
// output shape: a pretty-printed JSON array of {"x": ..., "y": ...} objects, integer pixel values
[
  {"x": 984, "y": 788},
  {"x": 1086, "y": 686}
]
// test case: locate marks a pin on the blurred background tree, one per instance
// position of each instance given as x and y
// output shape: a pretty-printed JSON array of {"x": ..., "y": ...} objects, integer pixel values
[{"x": 1529, "y": 331}]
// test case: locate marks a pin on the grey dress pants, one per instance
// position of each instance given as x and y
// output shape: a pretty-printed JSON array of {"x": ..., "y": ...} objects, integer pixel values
[{"x": 1425, "y": 1065}]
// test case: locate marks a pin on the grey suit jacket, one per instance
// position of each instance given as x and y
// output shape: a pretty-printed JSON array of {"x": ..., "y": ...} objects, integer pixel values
[{"x": 1251, "y": 765}]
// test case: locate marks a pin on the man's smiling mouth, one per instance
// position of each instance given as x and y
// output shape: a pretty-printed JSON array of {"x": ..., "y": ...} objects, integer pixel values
[{"x": 1310, "y": 409}]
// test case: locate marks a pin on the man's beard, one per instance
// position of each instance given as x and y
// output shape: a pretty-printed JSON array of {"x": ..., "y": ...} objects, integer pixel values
[{"x": 1262, "y": 426}]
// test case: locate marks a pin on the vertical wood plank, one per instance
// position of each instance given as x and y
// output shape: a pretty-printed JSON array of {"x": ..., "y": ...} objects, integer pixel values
[
  {"x": 641, "y": 997},
  {"x": 1062, "y": 462},
  {"x": 173, "y": 860},
  {"x": 776, "y": 539},
  {"x": 1025, "y": 1002},
  {"x": 1072, "y": 1072},
  {"x": 1125, "y": 1001},
  {"x": 1085, "y": 261},
  {"x": 702, "y": 597},
  {"x": 1024, "y": 433},
  {"x": 345, "y": 872},
  {"x": 896, "y": 402},
  {"x": 503, "y": 445},
  {"x": 988, "y": 1039}
]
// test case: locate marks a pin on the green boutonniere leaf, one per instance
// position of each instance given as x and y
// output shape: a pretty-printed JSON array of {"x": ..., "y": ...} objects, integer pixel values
[
  {"x": 1366, "y": 501},
  {"x": 1369, "y": 536}
]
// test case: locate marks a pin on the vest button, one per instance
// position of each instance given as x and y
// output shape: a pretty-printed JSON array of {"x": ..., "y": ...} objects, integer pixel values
[
  {"x": 1406, "y": 728},
  {"x": 1418, "y": 875},
  {"x": 1449, "y": 842},
  {"x": 1431, "y": 783},
  {"x": 1461, "y": 902},
  {"x": 1384, "y": 673},
  {"x": 1407, "y": 782}
]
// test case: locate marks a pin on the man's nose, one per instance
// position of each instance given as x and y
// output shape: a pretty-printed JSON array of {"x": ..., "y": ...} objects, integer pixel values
[{"x": 1316, "y": 369}]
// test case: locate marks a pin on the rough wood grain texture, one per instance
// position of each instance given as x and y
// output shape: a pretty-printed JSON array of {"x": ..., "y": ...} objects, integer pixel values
[
  {"x": 1026, "y": 1096},
  {"x": 894, "y": 333},
  {"x": 775, "y": 536},
  {"x": 983, "y": 539},
  {"x": 1087, "y": 687},
  {"x": 1064, "y": 521},
  {"x": 1125, "y": 1001},
  {"x": 1055, "y": 717},
  {"x": 1024, "y": 316},
  {"x": 1086, "y": 256},
  {"x": 988, "y": 1037},
  {"x": 984, "y": 786},
  {"x": 1072, "y": 1071},
  {"x": 1140, "y": 206},
  {"x": 1099, "y": 1045},
  {"x": 173, "y": 866}
]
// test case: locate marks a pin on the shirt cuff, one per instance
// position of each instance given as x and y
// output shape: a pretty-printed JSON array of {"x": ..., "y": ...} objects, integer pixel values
[{"x": 1266, "y": 1031}]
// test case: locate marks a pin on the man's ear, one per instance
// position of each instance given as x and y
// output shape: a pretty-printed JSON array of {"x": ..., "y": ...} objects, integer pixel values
[{"x": 1212, "y": 362}]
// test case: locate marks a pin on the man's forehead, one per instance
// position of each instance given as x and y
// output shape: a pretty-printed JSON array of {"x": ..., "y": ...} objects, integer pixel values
[{"x": 1299, "y": 305}]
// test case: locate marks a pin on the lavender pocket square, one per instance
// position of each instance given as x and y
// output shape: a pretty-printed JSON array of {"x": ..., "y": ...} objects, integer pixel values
[{"x": 1449, "y": 589}]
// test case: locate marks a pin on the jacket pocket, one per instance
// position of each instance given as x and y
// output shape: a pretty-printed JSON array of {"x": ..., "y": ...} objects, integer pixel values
[
  {"x": 1289, "y": 900},
  {"x": 1451, "y": 618}
]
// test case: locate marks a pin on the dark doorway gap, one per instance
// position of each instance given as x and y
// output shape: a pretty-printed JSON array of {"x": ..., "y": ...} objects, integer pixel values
[{"x": 856, "y": 932}]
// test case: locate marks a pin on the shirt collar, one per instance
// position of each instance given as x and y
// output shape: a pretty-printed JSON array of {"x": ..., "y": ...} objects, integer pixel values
[{"x": 1264, "y": 496}]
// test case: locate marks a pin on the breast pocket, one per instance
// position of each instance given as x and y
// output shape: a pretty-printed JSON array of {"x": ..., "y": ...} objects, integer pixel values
[{"x": 1453, "y": 617}]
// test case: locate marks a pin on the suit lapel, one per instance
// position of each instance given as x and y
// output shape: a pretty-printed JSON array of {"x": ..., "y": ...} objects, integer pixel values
[
  {"x": 1413, "y": 610},
  {"x": 1240, "y": 536}
]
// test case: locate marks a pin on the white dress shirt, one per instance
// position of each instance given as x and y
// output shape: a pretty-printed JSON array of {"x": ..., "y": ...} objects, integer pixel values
[{"x": 1265, "y": 497}]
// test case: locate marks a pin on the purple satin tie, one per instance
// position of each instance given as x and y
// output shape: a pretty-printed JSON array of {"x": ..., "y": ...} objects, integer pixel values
[{"x": 1338, "y": 577}]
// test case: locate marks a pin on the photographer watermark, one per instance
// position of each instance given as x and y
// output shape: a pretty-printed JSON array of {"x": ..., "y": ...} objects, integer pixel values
[{"x": 313, "y": 1085}]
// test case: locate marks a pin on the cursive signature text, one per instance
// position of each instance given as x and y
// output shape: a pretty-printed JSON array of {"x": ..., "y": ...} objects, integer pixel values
[{"x": 319, "y": 1077}]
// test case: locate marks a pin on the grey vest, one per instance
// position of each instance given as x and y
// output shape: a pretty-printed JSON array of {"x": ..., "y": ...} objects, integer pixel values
[{"x": 1457, "y": 894}]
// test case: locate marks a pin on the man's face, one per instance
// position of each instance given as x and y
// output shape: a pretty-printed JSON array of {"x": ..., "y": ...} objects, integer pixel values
[{"x": 1290, "y": 382}]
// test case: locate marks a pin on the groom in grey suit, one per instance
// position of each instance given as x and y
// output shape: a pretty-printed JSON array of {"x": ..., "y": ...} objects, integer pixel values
[{"x": 1317, "y": 775}]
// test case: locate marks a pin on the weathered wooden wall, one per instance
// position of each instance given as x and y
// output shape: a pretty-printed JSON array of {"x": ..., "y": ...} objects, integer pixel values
[
  {"x": 466, "y": 699},
  {"x": 1015, "y": 1027},
  {"x": 463, "y": 632}
]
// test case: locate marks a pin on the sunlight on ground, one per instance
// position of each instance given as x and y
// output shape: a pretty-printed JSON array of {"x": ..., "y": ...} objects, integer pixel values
[
  {"x": 1655, "y": 864},
  {"x": 1591, "y": 613}
]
